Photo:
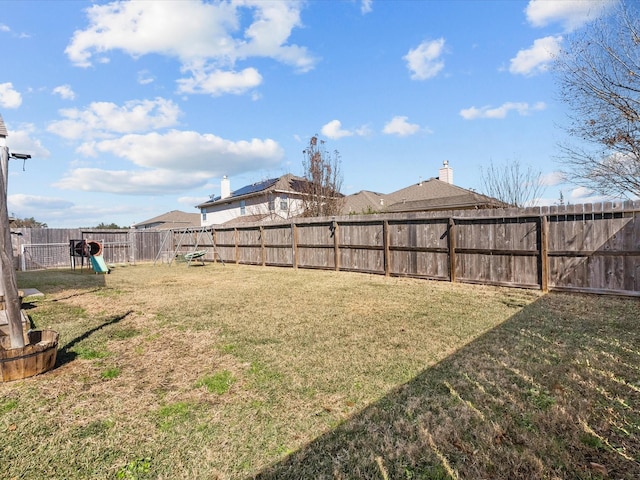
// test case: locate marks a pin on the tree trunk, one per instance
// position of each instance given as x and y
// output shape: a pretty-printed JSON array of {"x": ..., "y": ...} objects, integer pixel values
[{"x": 8, "y": 283}]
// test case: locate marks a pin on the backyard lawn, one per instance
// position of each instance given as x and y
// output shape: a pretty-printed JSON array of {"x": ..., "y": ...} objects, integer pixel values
[{"x": 240, "y": 372}]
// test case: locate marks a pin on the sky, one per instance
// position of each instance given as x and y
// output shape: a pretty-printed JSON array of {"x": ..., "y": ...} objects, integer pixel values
[{"x": 133, "y": 109}]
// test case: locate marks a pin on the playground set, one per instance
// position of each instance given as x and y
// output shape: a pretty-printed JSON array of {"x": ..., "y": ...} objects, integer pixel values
[{"x": 87, "y": 249}]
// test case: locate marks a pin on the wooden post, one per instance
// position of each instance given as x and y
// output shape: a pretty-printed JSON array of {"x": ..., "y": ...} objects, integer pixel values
[
  {"x": 215, "y": 249},
  {"x": 385, "y": 242},
  {"x": 544, "y": 253},
  {"x": 294, "y": 242},
  {"x": 262, "y": 252},
  {"x": 451, "y": 234},
  {"x": 336, "y": 245},
  {"x": 8, "y": 283},
  {"x": 237, "y": 249}
]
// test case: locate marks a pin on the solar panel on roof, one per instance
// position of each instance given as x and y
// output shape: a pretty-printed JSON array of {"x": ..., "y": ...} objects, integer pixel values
[{"x": 256, "y": 187}]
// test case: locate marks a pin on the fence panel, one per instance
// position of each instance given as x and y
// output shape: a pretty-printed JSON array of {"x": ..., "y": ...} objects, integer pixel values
[
  {"x": 498, "y": 251},
  {"x": 316, "y": 245},
  {"x": 361, "y": 246},
  {"x": 278, "y": 245},
  {"x": 419, "y": 248},
  {"x": 249, "y": 246},
  {"x": 595, "y": 248}
]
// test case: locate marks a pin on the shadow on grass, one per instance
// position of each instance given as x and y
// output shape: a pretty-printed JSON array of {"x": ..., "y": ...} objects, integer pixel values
[
  {"x": 65, "y": 354},
  {"x": 55, "y": 280},
  {"x": 554, "y": 392}
]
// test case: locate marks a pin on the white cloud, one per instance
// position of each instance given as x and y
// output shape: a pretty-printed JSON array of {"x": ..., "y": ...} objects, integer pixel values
[
  {"x": 586, "y": 195},
  {"x": 334, "y": 131},
  {"x": 220, "y": 82},
  {"x": 363, "y": 131},
  {"x": 128, "y": 182},
  {"x": 401, "y": 127},
  {"x": 552, "y": 179},
  {"x": 424, "y": 61},
  {"x": 4, "y": 28},
  {"x": 105, "y": 118},
  {"x": 366, "y": 6},
  {"x": 537, "y": 58},
  {"x": 522, "y": 108},
  {"x": 22, "y": 141},
  {"x": 192, "y": 201},
  {"x": 190, "y": 152},
  {"x": 9, "y": 97},
  {"x": 580, "y": 192},
  {"x": 145, "y": 77},
  {"x": 207, "y": 38},
  {"x": 571, "y": 14},
  {"x": 65, "y": 92},
  {"x": 35, "y": 203}
]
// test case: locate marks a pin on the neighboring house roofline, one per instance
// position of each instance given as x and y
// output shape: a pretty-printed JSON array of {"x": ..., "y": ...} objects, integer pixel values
[
  {"x": 172, "y": 219},
  {"x": 284, "y": 184}
]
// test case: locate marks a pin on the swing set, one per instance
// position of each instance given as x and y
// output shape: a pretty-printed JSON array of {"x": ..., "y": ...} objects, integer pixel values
[{"x": 192, "y": 246}]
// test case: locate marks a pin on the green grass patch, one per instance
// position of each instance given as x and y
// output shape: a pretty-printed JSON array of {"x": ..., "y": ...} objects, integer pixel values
[
  {"x": 90, "y": 353},
  {"x": 171, "y": 415},
  {"x": 7, "y": 406},
  {"x": 137, "y": 469},
  {"x": 219, "y": 382},
  {"x": 124, "y": 333},
  {"x": 110, "y": 373}
]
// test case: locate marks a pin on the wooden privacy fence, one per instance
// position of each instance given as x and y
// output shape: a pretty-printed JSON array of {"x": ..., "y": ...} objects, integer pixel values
[
  {"x": 587, "y": 248},
  {"x": 591, "y": 248}
]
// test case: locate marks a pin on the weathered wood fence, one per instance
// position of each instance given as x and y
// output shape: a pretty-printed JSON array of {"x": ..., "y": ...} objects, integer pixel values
[
  {"x": 591, "y": 248},
  {"x": 588, "y": 248}
]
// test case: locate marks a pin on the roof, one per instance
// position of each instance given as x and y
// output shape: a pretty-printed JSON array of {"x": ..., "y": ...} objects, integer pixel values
[
  {"x": 3, "y": 128},
  {"x": 457, "y": 202},
  {"x": 169, "y": 220},
  {"x": 364, "y": 202},
  {"x": 287, "y": 183},
  {"x": 432, "y": 194}
]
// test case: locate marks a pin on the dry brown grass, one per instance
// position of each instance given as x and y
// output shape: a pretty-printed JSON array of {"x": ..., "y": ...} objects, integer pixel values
[{"x": 327, "y": 375}]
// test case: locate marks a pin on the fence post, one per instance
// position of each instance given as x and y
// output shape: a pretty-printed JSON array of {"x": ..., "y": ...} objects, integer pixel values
[
  {"x": 294, "y": 246},
  {"x": 262, "y": 248},
  {"x": 215, "y": 249},
  {"x": 451, "y": 234},
  {"x": 385, "y": 242},
  {"x": 336, "y": 245},
  {"x": 237, "y": 248},
  {"x": 544, "y": 253}
]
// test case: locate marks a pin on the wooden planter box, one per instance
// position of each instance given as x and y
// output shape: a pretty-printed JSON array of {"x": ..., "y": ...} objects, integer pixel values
[{"x": 38, "y": 356}]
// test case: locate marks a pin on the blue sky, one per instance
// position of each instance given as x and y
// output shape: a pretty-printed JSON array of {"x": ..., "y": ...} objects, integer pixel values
[{"x": 133, "y": 109}]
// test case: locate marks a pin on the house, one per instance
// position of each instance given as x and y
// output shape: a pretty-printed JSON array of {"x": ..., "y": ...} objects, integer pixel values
[
  {"x": 272, "y": 199},
  {"x": 174, "y": 219},
  {"x": 430, "y": 195}
]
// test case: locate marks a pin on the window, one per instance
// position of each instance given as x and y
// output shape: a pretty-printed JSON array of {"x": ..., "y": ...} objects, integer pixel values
[
  {"x": 243, "y": 207},
  {"x": 272, "y": 204},
  {"x": 284, "y": 203},
  {"x": 203, "y": 211}
]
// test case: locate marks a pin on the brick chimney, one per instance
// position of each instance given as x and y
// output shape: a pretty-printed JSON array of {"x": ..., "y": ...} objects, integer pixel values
[
  {"x": 445, "y": 174},
  {"x": 225, "y": 188}
]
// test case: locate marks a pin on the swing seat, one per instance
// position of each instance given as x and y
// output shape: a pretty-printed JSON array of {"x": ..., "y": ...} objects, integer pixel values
[{"x": 191, "y": 256}]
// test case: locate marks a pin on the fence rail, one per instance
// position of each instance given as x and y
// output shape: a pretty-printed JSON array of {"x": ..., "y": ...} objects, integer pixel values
[{"x": 591, "y": 248}]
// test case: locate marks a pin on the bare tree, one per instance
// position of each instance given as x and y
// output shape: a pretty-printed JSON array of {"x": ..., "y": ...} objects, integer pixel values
[
  {"x": 322, "y": 195},
  {"x": 599, "y": 78},
  {"x": 511, "y": 183}
]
